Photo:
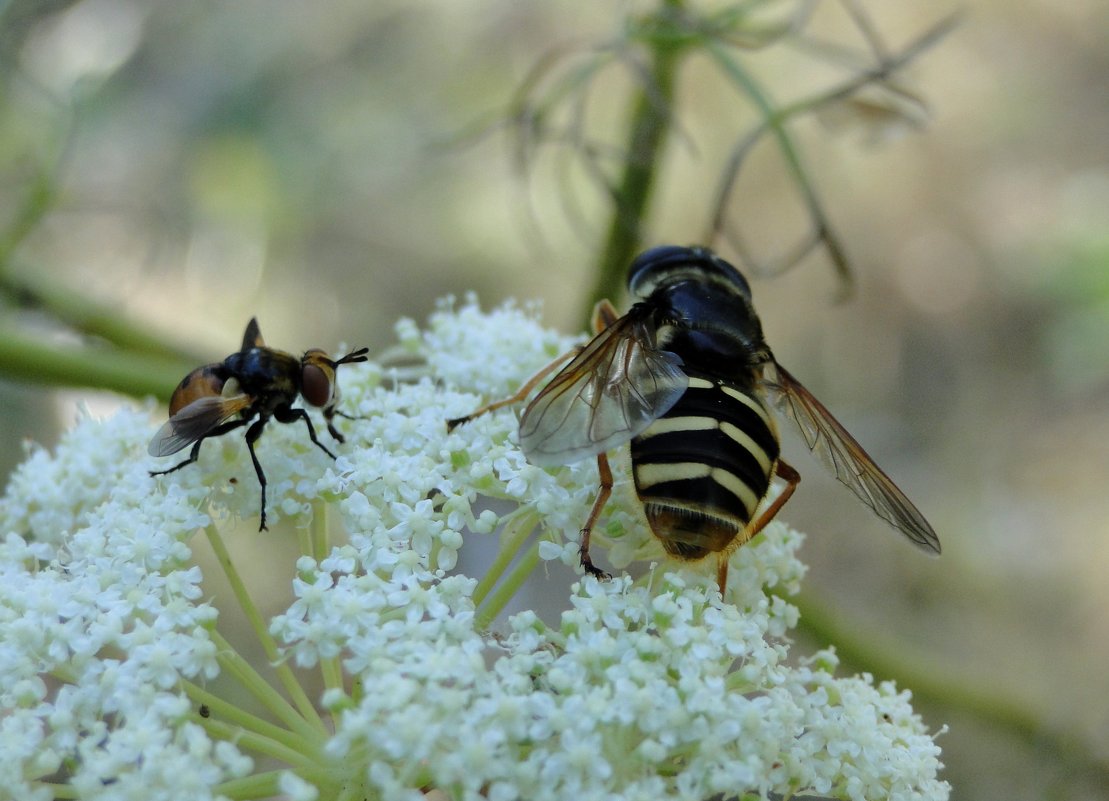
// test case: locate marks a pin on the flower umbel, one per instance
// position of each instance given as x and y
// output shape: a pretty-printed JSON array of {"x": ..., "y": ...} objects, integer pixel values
[{"x": 651, "y": 687}]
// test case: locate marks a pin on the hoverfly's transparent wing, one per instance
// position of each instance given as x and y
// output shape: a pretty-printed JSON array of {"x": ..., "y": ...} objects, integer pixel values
[
  {"x": 194, "y": 421},
  {"x": 610, "y": 392},
  {"x": 845, "y": 458}
]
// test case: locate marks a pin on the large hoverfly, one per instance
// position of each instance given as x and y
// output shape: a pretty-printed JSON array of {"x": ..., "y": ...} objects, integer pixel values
[
  {"x": 686, "y": 377},
  {"x": 256, "y": 382}
]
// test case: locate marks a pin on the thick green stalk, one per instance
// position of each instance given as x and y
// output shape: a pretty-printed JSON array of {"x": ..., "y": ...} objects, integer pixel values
[
  {"x": 31, "y": 289},
  {"x": 650, "y": 123},
  {"x": 139, "y": 366},
  {"x": 29, "y": 359},
  {"x": 78, "y": 311}
]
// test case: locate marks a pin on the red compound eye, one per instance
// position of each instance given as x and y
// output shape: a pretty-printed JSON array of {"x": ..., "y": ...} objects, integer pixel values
[{"x": 315, "y": 384}]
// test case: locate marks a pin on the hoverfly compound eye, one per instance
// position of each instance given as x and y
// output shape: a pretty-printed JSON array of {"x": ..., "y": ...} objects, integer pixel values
[{"x": 317, "y": 383}]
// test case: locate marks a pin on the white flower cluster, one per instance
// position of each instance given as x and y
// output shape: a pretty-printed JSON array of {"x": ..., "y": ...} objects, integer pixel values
[
  {"x": 646, "y": 689},
  {"x": 101, "y": 617}
]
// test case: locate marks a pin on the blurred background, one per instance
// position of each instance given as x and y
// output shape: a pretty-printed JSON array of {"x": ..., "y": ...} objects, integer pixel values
[{"x": 330, "y": 167}]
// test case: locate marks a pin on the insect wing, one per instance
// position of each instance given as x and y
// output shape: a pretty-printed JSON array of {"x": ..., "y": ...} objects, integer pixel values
[
  {"x": 194, "y": 421},
  {"x": 252, "y": 336},
  {"x": 845, "y": 458},
  {"x": 610, "y": 392}
]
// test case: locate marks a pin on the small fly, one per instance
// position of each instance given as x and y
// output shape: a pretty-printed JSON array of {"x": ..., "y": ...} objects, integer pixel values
[{"x": 255, "y": 384}]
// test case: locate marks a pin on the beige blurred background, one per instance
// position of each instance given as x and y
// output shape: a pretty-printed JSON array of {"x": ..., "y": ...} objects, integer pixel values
[{"x": 311, "y": 164}]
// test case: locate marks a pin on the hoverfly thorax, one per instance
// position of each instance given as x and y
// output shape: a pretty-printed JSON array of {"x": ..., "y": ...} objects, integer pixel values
[
  {"x": 669, "y": 265},
  {"x": 701, "y": 308}
]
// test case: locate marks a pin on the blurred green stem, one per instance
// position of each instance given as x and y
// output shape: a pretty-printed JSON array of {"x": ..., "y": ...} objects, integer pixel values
[
  {"x": 77, "y": 311},
  {"x": 142, "y": 365},
  {"x": 650, "y": 122},
  {"x": 933, "y": 684},
  {"x": 24, "y": 358}
]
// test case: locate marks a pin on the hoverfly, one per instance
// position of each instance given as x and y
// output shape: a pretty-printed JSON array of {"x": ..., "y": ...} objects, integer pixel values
[
  {"x": 257, "y": 382},
  {"x": 686, "y": 377}
]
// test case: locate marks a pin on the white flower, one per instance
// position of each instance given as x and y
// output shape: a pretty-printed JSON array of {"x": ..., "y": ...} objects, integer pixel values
[{"x": 117, "y": 680}]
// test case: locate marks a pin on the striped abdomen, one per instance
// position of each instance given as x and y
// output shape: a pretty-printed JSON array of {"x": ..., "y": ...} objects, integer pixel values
[{"x": 703, "y": 467}]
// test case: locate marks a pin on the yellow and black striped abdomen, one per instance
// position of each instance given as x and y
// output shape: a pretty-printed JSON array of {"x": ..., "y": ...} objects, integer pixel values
[{"x": 703, "y": 467}]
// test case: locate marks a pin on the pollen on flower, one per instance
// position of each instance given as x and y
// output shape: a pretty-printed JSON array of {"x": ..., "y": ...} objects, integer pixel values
[{"x": 649, "y": 687}]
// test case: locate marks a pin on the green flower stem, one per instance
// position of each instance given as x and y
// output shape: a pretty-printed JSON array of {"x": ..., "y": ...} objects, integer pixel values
[
  {"x": 229, "y": 713},
  {"x": 106, "y": 322},
  {"x": 142, "y": 365},
  {"x": 301, "y": 757},
  {"x": 268, "y": 785},
  {"x": 304, "y": 542},
  {"x": 351, "y": 792},
  {"x": 516, "y": 531},
  {"x": 357, "y": 690},
  {"x": 244, "y": 672},
  {"x": 64, "y": 673},
  {"x": 650, "y": 123},
  {"x": 256, "y": 785},
  {"x": 284, "y": 672},
  {"x": 320, "y": 528},
  {"x": 35, "y": 204},
  {"x": 929, "y": 683},
  {"x": 60, "y": 791},
  {"x": 508, "y": 588},
  {"x": 332, "y": 670},
  {"x": 29, "y": 359},
  {"x": 318, "y": 546}
]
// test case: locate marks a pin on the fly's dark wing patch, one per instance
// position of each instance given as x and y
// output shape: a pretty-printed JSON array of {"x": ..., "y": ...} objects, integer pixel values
[{"x": 194, "y": 421}]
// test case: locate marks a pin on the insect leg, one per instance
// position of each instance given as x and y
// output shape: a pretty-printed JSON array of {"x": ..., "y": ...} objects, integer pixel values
[
  {"x": 722, "y": 571},
  {"x": 215, "y": 432},
  {"x": 604, "y": 315},
  {"x": 520, "y": 394},
  {"x": 252, "y": 434},
  {"x": 329, "y": 414},
  {"x": 792, "y": 479},
  {"x": 289, "y": 415},
  {"x": 603, "y": 493}
]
